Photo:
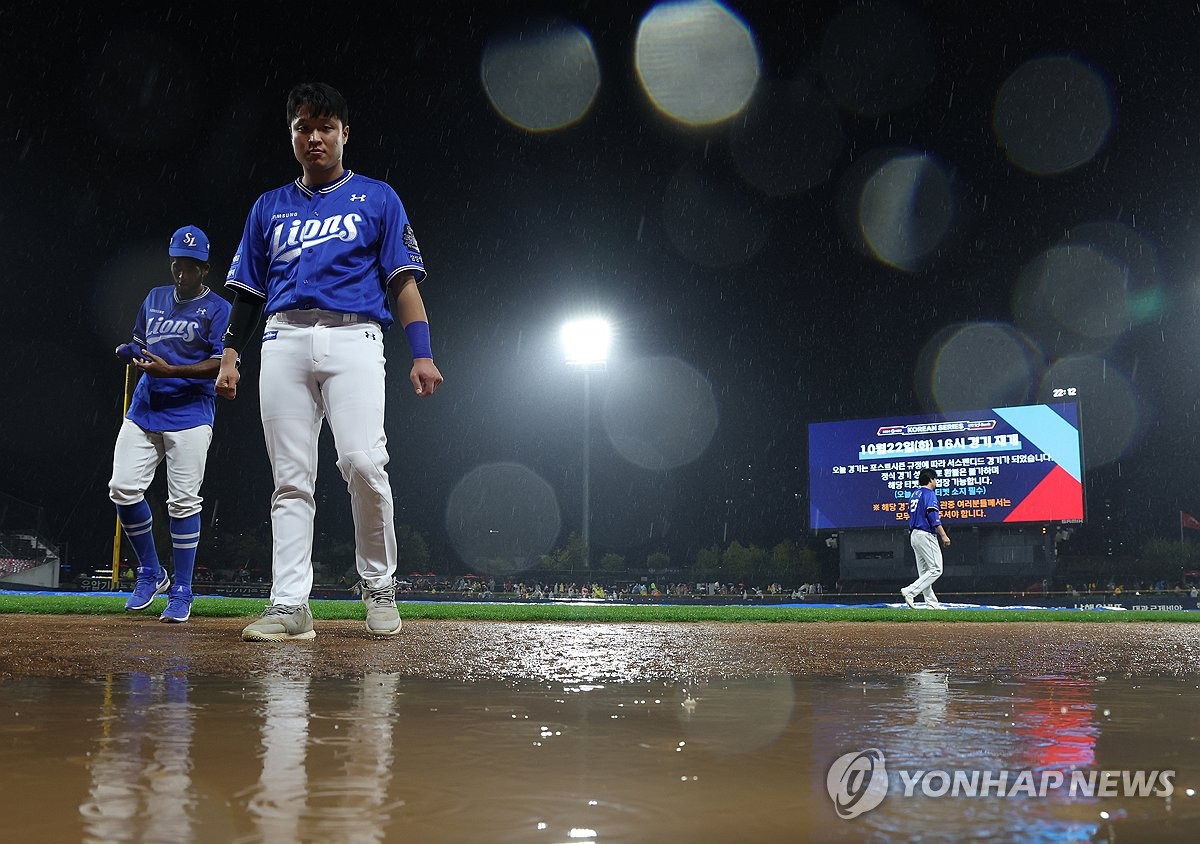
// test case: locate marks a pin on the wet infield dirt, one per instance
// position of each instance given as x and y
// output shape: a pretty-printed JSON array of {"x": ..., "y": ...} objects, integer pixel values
[{"x": 91, "y": 646}]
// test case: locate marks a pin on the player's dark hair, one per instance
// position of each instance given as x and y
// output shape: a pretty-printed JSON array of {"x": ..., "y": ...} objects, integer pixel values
[
  {"x": 322, "y": 100},
  {"x": 926, "y": 476}
]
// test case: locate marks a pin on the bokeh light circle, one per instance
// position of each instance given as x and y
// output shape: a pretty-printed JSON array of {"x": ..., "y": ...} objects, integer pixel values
[
  {"x": 1052, "y": 114},
  {"x": 696, "y": 60},
  {"x": 897, "y": 206},
  {"x": 713, "y": 219},
  {"x": 876, "y": 58},
  {"x": 1138, "y": 259},
  {"x": 979, "y": 365},
  {"x": 788, "y": 139},
  {"x": 1108, "y": 405},
  {"x": 659, "y": 413},
  {"x": 501, "y": 517},
  {"x": 1073, "y": 298},
  {"x": 543, "y": 77}
]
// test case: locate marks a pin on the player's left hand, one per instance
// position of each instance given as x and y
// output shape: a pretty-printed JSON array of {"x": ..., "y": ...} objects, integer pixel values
[
  {"x": 425, "y": 377},
  {"x": 153, "y": 365}
]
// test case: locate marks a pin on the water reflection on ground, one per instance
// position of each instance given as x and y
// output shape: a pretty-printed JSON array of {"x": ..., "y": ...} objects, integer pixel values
[{"x": 140, "y": 757}]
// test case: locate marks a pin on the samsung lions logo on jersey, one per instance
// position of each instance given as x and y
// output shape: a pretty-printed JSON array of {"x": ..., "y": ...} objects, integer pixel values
[
  {"x": 287, "y": 241},
  {"x": 171, "y": 329}
]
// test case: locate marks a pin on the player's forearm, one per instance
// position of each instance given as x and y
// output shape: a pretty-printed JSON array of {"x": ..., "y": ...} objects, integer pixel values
[
  {"x": 204, "y": 369},
  {"x": 409, "y": 310},
  {"x": 243, "y": 322},
  {"x": 408, "y": 306}
]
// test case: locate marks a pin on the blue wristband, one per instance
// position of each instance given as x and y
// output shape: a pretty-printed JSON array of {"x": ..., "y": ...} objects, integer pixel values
[{"x": 418, "y": 339}]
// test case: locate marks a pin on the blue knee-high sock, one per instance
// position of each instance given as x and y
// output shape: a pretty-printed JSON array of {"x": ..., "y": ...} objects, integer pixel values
[
  {"x": 138, "y": 524},
  {"x": 185, "y": 536}
]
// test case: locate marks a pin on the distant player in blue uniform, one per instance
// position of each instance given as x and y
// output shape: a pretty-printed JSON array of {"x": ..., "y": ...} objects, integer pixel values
[
  {"x": 927, "y": 538},
  {"x": 177, "y": 346},
  {"x": 322, "y": 257}
]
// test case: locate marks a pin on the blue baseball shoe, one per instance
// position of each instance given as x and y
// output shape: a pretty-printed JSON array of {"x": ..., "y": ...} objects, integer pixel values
[
  {"x": 179, "y": 605},
  {"x": 147, "y": 587}
]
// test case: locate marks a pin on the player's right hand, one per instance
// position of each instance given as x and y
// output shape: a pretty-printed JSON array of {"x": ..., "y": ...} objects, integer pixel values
[{"x": 227, "y": 381}]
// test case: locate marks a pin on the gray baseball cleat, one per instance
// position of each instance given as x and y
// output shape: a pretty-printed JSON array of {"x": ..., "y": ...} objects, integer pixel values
[
  {"x": 280, "y": 622},
  {"x": 383, "y": 619}
]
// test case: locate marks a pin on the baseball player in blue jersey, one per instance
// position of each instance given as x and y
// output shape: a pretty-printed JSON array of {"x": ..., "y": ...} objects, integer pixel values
[
  {"x": 323, "y": 257},
  {"x": 927, "y": 539},
  {"x": 177, "y": 346}
]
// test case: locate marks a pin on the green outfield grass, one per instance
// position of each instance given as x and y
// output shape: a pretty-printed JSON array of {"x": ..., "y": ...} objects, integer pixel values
[{"x": 211, "y": 607}]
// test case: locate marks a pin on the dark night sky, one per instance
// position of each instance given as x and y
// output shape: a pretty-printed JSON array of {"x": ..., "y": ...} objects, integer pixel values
[{"x": 123, "y": 125}]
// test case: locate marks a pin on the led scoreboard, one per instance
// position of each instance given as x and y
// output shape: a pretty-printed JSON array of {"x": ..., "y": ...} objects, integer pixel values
[{"x": 1002, "y": 465}]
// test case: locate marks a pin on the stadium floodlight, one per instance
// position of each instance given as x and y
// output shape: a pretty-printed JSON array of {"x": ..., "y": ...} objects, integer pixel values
[{"x": 586, "y": 343}]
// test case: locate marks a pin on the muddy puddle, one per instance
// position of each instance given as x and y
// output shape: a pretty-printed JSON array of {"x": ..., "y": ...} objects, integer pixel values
[{"x": 183, "y": 757}]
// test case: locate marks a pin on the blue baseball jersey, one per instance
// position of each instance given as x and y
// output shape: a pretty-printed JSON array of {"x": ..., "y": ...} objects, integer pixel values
[
  {"x": 180, "y": 333},
  {"x": 336, "y": 248},
  {"x": 924, "y": 512}
]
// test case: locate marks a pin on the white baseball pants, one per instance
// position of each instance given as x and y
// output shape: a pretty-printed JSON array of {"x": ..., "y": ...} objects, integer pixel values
[
  {"x": 928, "y": 550},
  {"x": 136, "y": 457},
  {"x": 316, "y": 365}
]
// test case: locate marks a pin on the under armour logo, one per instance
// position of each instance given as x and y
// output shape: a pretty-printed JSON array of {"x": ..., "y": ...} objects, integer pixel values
[{"x": 357, "y": 197}]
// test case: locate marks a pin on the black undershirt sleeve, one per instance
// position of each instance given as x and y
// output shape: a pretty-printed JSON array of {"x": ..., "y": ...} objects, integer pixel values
[{"x": 243, "y": 321}]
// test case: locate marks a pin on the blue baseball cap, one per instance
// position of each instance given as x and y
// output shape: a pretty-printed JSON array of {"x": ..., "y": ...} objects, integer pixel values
[{"x": 189, "y": 242}]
